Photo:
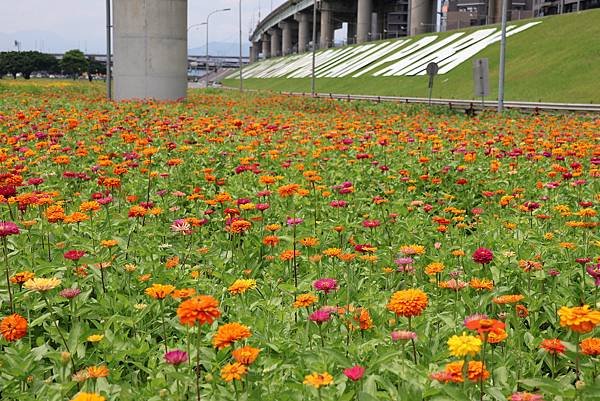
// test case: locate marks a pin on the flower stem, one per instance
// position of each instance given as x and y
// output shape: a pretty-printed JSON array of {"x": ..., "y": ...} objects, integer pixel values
[
  {"x": 10, "y": 297},
  {"x": 198, "y": 365}
]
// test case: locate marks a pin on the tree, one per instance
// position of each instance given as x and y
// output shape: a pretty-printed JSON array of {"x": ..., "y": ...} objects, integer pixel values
[
  {"x": 12, "y": 62},
  {"x": 26, "y": 63},
  {"x": 32, "y": 61},
  {"x": 96, "y": 67},
  {"x": 74, "y": 63},
  {"x": 3, "y": 67}
]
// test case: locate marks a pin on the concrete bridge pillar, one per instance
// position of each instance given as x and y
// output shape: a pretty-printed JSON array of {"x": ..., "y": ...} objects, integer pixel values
[
  {"x": 266, "y": 45},
  {"x": 275, "y": 42},
  {"x": 326, "y": 37},
  {"x": 421, "y": 16},
  {"x": 351, "y": 34},
  {"x": 304, "y": 31},
  {"x": 286, "y": 37},
  {"x": 150, "y": 49},
  {"x": 363, "y": 20},
  {"x": 254, "y": 52}
]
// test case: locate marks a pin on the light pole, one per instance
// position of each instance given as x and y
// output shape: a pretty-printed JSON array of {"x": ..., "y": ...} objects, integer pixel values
[
  {"x": 188, "y": 33},
  {"x": 502, "y": 58},
  {"x": 108, "y": 46},
  {"x": 241, "y": 63},
  {"x": 314, "y": 50},
  {"x": 207, "y": 17}
]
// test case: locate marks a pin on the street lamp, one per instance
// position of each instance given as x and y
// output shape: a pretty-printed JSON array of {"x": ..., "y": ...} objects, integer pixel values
[
  {"x": 241, "y": 63},
  {"x": 207, "y": 17},
  {"x": 188, "y": 32},
  {"x": 108, "y": 46},
  {"x": 502, "y": 58},
  {"x": 314, "y": 50}
]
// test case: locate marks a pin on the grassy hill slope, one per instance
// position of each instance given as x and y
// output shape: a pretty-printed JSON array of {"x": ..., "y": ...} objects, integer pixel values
[{"x": 555, "y": 61}]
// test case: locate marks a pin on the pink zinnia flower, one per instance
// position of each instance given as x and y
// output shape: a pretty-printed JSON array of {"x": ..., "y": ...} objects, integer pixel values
[
  {"x": 176, "y": 357},
  {"x": 8, "y": 228},
  {"x": 483, "y": 256},
  {"x": 325, "y": 284},
  {"x": 477, "y": 316},
  {"x": 354, "y": 373},
  {"x": 524, "y": 396},
  {"x": 403, "y": 335},
  {"x": 292, "y": 221},
  {"x": 70, "y": 293},
  {"x": 181, "y": 226},
  {"x": 371, "y": 223},
  {"x": 262, "y": 206}
]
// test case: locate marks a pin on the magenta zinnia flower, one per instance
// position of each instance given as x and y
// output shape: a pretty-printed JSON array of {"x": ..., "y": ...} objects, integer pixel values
[
  {"x": 354, "y": 373},
  {"x": 176, "y": 357},
  {"x": 483, "y": 256},
  {"x": 70, "y": 293},
  {"x": 8, "y": 228},
  {"x": 325, "y": 284},
  {"x": 74, "y": 254},
  {"x": 320, "y": 316},
  {"x": 594, "y": 271}
]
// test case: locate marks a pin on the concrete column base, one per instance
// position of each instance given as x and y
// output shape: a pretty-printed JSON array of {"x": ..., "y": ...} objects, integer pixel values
[{"x": 150, "y": 49}]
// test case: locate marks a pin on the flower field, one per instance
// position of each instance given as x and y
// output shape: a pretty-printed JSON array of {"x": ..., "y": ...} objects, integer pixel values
[{"x": 259, "y": 247}]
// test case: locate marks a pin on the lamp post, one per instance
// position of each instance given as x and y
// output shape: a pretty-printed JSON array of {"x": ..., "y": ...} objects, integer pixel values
[
  {"x": 188, "y": 32},
  {"x": 241, "y": 63},
  {"x": 502, "y": 58},
  {"x": 108, "y": 46},
  {"x": 314, "y": 50},
  {"x": 207, "y": 17}
]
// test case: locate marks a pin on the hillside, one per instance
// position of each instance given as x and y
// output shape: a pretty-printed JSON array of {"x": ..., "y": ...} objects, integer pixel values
[{"x": 555, "y": 60}]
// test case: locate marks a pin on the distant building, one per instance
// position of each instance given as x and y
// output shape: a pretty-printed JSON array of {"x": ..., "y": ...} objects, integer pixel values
[{"x": 465, "y": 13}]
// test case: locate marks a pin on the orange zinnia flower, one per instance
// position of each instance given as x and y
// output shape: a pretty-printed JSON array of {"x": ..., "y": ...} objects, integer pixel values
[
  {"x": 183, "y": 293},
  {"x": 590, "y": 346},
  {"x": 233, "y": 371},
  {"x": 318, "y": 379},
  {"x": 202, "y": 309},
  {"x": 95, "y": 372},
  {"x": 553, "y": 346},
  {"x": 508, "y": 299},
  {"x": 13, "y": 327},
  {"x": 408, "y": 303},
  {"x": 485, "y": 325},
  {"x": 579, "y": 318},
  {"x": 229, "y": 333},
  {"x": 245, "y": 355},
  {"x": 159, "y": 291},
  {"x": 305, "y": 300}
]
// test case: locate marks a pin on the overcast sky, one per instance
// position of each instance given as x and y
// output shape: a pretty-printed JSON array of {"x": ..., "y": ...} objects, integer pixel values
[{"x": 59, "y": 25}]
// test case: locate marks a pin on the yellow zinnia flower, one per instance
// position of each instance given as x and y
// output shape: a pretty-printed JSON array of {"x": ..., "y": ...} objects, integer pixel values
[
  {"x": 464, "y": 345},
  {"x": 42, "y": 284}
]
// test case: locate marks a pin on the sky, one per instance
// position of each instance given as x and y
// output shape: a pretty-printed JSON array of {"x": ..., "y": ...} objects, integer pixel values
[{"x": 59, "y": 25}]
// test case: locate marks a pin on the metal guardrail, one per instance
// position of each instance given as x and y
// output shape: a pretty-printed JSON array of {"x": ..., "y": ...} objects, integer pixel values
[
  {"x": 462, "y": 104},
  {"x": 467, "y": 105}
]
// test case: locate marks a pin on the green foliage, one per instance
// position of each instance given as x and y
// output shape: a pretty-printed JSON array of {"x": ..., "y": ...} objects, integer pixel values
[{"x": 74, "y": 63}]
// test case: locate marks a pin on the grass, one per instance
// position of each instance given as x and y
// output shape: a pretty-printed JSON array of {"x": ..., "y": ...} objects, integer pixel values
[{"x": 556, "y": 61}]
